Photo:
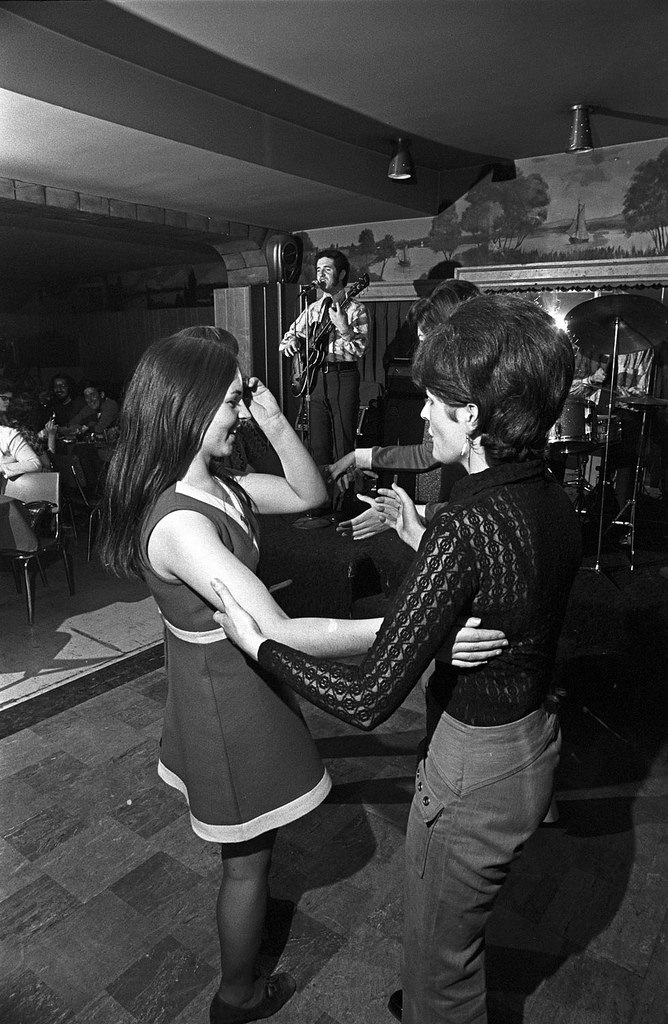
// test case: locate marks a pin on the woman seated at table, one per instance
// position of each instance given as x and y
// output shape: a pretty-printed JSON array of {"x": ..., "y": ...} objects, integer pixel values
[
  {"x": 17, "y": 456},
  {"x": 506, "y": 548}
]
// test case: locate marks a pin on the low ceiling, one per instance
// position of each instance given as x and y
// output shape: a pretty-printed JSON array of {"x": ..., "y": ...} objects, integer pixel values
[{"x": 280, "y": 114}]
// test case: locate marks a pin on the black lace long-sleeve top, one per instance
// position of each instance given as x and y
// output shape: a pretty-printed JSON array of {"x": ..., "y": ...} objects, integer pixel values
[{"x": 506, "y": 548}]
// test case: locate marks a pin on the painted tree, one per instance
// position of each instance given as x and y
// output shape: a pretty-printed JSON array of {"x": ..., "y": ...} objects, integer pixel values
[
  {"x": 646, "y": 201},
  {"x": 501, "y": 214},
  {"x": 445, "y": 233},
  {"x": 385, "y": 250}
]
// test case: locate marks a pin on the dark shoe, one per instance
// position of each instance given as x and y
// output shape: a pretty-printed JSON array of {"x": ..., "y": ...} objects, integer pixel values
[
  {"x": 395, "y": 1003},
  {"x": 277, "y": 990}
]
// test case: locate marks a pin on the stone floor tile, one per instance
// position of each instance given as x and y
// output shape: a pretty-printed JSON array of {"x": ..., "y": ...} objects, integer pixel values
[
  {"x": 95, "y": 859},
  {"x": 22, "y": 749},
  {"x": 15, "y": 870},
  {"x": 18, "y": 802},
  {"x": 33, "y": 908},
  {"x": 104, "y": 1010},
  {"x": 24, "y": 999},
  {"x": 97, "y": 791},
  {"x": 43, "y": 832},
  {"x": 56, "y": 770},
  {"x": 78, "y": 957},
  {"x": 155, "y": 885},
  {"x": 150, "y": 810},
  {"x": 92, "y": 739},
  {"x": 157, "y": 987}
]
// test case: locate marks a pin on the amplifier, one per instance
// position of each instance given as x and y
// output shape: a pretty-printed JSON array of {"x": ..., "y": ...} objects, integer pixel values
[{"x": 398, "y": 380}]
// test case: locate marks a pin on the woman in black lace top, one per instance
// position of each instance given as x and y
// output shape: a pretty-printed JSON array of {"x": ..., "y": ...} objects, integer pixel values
[{"x": 506, "y": 548}]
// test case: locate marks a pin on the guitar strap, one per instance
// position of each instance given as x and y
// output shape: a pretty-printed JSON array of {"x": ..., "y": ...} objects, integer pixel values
[{"x": 326, "y": 336}]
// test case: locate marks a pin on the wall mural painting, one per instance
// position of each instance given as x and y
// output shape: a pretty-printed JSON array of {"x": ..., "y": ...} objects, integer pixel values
[{"x": 608, "y": 204}]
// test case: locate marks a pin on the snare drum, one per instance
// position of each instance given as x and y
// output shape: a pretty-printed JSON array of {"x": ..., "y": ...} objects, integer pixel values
[
  {"x": 575, "y": 430},
  {"x": 615, "y": 429}
]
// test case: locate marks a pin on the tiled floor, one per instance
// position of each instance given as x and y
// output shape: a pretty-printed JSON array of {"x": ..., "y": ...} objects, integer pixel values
[
  {"x": 107, "y": 898},
  {"x": 105, "y": 621}
]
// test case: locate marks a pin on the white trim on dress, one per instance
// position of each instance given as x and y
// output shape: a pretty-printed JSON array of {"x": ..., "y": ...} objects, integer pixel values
[
  {"x": 256, "y": 826},
  {"x": 227, "y": 503}
]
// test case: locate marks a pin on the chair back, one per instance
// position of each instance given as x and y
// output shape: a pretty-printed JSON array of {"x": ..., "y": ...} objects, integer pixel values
[
  {"x": 72, "y": 475},
  {"x": 16, "y": 534},
  {"x": 36, "y": 487},
  {"x": 39, "y": 487}
]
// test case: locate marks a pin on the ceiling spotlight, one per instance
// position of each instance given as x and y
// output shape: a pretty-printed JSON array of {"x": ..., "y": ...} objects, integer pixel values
[
  {"x": 401, "y": 165},
  {"x": 579, "y": 139}
]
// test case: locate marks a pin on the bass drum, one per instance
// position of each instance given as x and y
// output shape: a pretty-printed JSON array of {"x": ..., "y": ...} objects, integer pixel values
[{"x": 575, "y": 430}]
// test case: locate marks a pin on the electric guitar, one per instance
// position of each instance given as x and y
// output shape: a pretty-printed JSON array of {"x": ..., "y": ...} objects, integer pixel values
[{"x": 307, "y": 361}]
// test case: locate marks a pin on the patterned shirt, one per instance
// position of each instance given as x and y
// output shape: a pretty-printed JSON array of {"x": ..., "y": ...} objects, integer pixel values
[
  {"x": 345, "y": 348},
  {"x": 634, "y": 373}
]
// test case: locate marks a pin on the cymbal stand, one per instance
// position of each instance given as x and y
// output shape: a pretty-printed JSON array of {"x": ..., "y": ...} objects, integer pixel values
[
  {"x": 606, "y": 457},
  {"x": 627, "y": 514}
]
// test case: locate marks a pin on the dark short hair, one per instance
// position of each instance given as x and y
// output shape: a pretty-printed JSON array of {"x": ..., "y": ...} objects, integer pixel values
[
  {"x": 434, "y": 308},
  {"x": 339, "y": 259},
  {"x": 506, "y": 355},
  {"x": 6, "y": 385},
  {"x": 68, "y": 380}
]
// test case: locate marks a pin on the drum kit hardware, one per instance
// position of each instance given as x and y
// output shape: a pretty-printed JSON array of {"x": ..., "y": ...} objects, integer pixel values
[{"x": 614, "y": 325}]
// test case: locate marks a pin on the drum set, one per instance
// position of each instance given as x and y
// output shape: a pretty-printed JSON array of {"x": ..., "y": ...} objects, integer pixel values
[{"x": 616, "y": 324}]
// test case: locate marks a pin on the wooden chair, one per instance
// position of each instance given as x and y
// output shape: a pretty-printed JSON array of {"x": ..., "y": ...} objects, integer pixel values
[{"x": 21, "y": 523}]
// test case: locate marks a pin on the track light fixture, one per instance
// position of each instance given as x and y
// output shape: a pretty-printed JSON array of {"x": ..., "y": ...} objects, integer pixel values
[
  {"x": 401, "y": 165},
  {"x": 579, "y": 139}
]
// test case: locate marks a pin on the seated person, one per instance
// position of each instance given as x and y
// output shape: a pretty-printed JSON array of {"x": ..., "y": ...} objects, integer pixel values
[
  {"x": 16, "y": 455},
  {"x": 62, "y": 403},
  {"x": 19, "y": 415},
  {"x": 98, "y": 414}
]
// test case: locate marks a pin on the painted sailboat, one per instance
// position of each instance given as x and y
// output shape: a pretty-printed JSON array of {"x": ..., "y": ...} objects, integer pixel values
[
  {"x": 404, "y": 261},
  {"x": 578, "y": 231}
]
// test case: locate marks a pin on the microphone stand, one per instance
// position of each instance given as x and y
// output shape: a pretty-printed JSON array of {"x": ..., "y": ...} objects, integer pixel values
[{"x": 310, "y": 520}]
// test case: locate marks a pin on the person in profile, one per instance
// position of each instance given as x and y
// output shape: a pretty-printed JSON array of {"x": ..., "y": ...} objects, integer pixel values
[{"x": 496, "y": 374}]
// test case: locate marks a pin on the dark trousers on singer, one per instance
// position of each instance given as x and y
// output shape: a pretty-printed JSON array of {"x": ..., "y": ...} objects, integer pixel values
[{"x": 335, "y": 403}]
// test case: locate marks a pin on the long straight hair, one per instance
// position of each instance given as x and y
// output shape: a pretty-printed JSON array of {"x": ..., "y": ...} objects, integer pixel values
[{"x": 174, "y": 393}]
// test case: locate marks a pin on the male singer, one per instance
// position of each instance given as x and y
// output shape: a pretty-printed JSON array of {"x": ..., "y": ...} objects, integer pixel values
[{"x": 334, "y": 404}]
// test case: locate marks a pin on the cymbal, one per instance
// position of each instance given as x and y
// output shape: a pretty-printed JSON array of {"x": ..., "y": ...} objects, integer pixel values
[
  {"x": 642, "y": 400},
  {"x": 643, "y": 323}
]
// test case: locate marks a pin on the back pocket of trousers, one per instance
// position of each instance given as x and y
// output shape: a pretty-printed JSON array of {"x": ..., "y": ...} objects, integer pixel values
[{"x": 429, "y": 807}]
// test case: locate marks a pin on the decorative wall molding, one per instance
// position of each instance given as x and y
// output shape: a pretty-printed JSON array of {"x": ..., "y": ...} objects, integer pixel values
[{"x": 570, "y": 275}]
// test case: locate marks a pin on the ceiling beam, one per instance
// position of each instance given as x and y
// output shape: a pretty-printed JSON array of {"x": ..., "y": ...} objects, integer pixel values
[{"x": 210, "y": 115}]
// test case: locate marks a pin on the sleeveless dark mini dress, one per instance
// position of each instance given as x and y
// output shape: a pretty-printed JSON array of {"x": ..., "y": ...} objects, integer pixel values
[{"x": 233, "y": 740}]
